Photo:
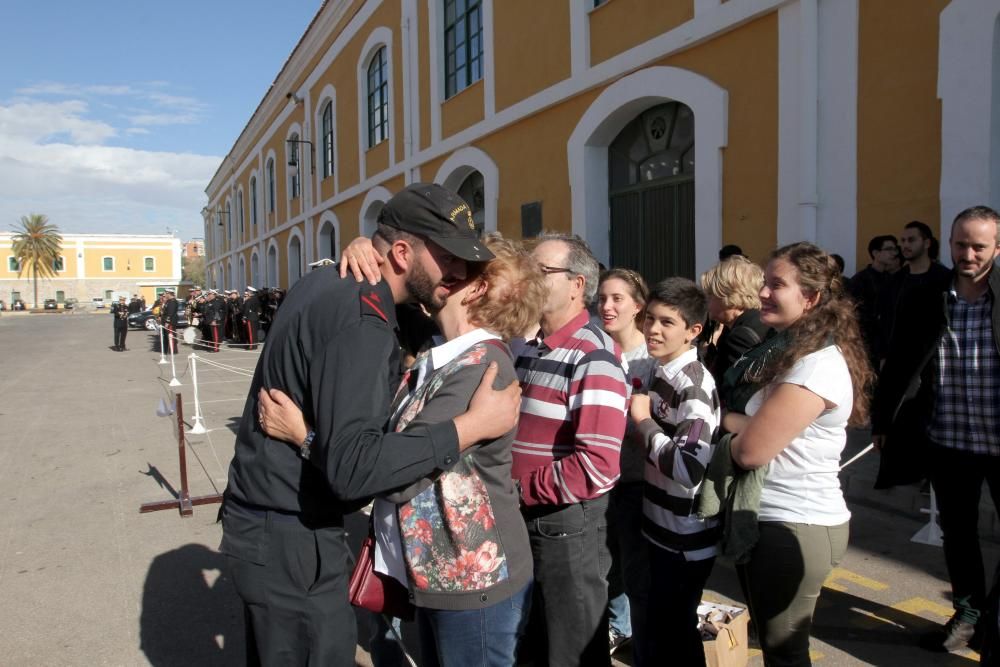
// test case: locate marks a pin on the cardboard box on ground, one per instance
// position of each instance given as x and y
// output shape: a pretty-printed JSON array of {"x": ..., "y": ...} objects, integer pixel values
[{"x": 725, "y": 642}]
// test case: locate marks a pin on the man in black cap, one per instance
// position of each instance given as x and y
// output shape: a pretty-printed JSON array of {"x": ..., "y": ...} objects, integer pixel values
[
  {"x": 120, "y": 311},
  {"x": 168, "y": 322},
  {"x": 251, "y": 317},
  {"x": 333, "y": 350}
]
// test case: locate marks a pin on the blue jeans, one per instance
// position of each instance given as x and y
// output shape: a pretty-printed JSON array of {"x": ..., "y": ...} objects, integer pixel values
[
  {"x": 628, "y": 580},
  {"x": 487, "y": 636}
]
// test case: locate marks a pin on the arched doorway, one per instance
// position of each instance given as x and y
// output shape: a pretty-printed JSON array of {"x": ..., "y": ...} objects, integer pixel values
[
  {"x": 327, "y": 245},
  {"x": 294, "y": 260},
  {"x": 651, "y": 193},
  {"x": 255, "y": 271},
  {"x": 271, "y": 276},
  {"x": 473, "y": 191}
]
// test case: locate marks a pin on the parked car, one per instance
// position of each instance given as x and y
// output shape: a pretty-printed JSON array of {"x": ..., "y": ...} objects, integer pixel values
[
  {"x": 50, "y": 304},
  {"x": 70, "y": 303},
  {"x": 98, "y": 302},
  {"x": 145, "y": 319}
]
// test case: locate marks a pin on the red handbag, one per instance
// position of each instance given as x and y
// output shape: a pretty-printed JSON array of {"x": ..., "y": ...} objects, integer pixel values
[{"x": 375, "y": 591}]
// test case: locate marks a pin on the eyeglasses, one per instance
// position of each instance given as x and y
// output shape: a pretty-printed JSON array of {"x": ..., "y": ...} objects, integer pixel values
[{"x": 555, "y": 269}]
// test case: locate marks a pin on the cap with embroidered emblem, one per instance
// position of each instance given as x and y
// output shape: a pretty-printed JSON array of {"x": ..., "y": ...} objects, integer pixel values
[{"x": 439, "y": 215}]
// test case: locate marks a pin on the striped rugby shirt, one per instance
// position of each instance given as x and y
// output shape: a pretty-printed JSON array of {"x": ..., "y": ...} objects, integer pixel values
[
  {"x": 573, "y": 414},
  {"x": 679, "y": 440}
]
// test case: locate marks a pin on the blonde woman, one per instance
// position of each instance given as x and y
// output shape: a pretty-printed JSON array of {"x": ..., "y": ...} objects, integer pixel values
[{"x": 732, "y": 287}]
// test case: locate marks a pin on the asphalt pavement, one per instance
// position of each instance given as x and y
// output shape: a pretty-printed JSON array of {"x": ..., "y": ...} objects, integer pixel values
[{"x": 85, "y": 579}]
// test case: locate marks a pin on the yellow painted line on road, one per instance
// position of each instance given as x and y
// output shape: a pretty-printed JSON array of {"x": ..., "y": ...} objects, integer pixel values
[
  {"x": 839, "y": 574},
  {"x": 917, "y": 606}
]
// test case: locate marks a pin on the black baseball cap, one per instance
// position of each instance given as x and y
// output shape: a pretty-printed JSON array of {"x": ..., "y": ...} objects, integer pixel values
[{"x": 439, "y": 215}]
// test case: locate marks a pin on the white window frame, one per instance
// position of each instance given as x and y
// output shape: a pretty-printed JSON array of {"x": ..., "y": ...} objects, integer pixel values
[
  {"x": 113, "y": 263},
  {"x": 152, "y": 270}
]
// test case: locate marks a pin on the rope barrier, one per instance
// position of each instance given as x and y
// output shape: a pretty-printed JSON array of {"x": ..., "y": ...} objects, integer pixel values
[
  {"x": 204, "y": 341},
  {"x": 232, "y": 369}
]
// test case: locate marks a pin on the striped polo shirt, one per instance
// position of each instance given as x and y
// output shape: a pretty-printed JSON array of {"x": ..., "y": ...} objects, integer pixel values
[
  {"x": 573, "y": 411},
  {"x": 679, "y": 440}
]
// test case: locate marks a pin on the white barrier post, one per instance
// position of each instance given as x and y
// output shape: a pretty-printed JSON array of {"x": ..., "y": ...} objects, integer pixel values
[
  {"x": 174, "y": 382},
  {"x": 931, "y": 533},
  {"x": 198, "y": 427},
  {"x": 159, "y": 332}
]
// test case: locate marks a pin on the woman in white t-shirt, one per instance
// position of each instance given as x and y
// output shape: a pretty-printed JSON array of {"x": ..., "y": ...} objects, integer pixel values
[{"x": 812, "y": 387}]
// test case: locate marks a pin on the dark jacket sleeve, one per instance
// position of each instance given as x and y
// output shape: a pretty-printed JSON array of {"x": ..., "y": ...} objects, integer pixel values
[{"x": 351, "y": 396}]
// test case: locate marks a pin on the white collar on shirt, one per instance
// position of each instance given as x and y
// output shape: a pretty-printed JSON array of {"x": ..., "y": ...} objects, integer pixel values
[
  {"x": 445, "y": 352},
  {"x": 668, "y": 370}
]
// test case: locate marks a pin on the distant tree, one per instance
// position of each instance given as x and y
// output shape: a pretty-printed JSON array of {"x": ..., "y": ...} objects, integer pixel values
[
  {"x": 193, "y": 269},
  {"x": 36, "y": 245}
]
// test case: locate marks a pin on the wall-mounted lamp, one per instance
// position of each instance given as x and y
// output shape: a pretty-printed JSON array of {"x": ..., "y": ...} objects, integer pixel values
[
  {"x": 293, "y": 154},
  {"x": 217, "y": 212}
]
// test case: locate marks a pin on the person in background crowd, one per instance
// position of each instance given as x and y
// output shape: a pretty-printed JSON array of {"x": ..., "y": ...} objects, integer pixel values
[
  {"x": 870, "y": 289},
  {"x": 732, "y": 288},
  {"x": 251, "y": 316},
  {"x": 727, "y": 251},
  {"x": 813, "y": 381},
  {"x": 918, "y": 248},
  {"x": 119, "y": 314},
  {"x": 470, "y": 611},
  {"x": 333, "y": 351},
  {"x": 168, "y": 322},
  {"x": 839, "y": 261},
  {"x": 947, "y": 344},
  {"x": 621, "y": 307},
  {"x": 678, "y": 424},
  {"x": 135, "y": 305}
]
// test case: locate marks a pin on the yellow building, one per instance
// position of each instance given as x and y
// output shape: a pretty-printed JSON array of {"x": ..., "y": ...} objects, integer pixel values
[
  {"x": 97, "y": 266},
  {"x": 658, "y": 130}
]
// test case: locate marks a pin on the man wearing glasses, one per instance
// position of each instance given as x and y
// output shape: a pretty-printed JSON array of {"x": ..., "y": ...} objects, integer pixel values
[
  {"x": 869, "y": 287},
  {"x": 566, "y": 458}
]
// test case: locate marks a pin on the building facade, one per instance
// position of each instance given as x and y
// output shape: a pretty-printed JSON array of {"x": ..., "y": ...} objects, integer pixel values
[
  {"x": 194, "y": 248},
  {"x": 97, "y": 265},
  {"x": 658, "y": 131}
]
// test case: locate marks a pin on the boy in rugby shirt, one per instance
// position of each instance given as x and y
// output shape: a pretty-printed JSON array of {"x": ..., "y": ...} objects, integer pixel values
[{"x": 678, "y": 422}]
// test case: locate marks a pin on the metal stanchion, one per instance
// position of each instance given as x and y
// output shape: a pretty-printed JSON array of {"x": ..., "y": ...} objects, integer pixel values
[
  {"x": 159, "y": 332},
  {"x": 198, "y": 427},
  {"x": 174, "y": 382},
  {"x": 931, "y": 533}
]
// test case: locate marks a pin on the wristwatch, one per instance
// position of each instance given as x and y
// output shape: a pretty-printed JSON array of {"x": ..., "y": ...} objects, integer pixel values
[{"x": 304, "y": 448}]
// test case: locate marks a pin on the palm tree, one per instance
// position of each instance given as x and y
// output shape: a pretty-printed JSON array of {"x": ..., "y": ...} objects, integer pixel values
[{"x": 36, "y": 246}]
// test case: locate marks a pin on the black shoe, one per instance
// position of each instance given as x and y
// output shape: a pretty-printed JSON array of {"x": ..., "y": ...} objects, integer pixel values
[
  {"x": 124, "y": 349},
  {"x": 956, "y": 635}
]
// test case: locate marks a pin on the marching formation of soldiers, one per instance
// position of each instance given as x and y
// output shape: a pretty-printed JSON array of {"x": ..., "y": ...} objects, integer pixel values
[{"x": 228, "y": 315}]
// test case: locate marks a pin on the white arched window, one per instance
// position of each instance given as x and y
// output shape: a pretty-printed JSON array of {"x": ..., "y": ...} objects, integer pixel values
[
  {"x": 253, "y": 203},
  {"x": 377, "y": 95},
  {"x": 240, "y": 214},
  {"x": 327, "y": 139},
  {"x": 255, "y": 270},
  {"x": 328, "y": 237},
  {"x": 294, "y": 257},
  {"x": 270, "y": 184},
  {"x": 272, "y": 266}
]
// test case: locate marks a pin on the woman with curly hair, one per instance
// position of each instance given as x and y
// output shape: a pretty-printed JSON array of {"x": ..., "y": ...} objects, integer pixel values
[
  {"x": 457, "y": 540},
  {"x": 812, "y": 383}
]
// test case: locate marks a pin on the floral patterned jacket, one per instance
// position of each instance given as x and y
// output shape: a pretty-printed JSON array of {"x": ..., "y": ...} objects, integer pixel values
[{"x": 464, "y": 541}]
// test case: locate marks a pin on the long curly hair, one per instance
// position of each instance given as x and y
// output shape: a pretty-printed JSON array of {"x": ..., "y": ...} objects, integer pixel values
[{"x": 832, "y": 320}]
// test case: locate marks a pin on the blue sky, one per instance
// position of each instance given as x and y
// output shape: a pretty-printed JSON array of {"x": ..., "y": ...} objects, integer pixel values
[{"x": 114, "y": 114}]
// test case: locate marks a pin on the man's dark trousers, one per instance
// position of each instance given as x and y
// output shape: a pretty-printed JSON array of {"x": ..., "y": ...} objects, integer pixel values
[
  {"x": 569, "y": 617},
  {"x": 295, "y": 591},
  {"x": 957, "y": 478},
  {"x": 121, "y": 330}
]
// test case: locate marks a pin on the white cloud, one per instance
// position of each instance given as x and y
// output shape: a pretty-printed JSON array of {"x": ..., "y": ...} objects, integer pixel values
[
  {"x": 52, "y": 161},
  {"x": 38, "y": 121},
  {"x": 146, "y": 119}
]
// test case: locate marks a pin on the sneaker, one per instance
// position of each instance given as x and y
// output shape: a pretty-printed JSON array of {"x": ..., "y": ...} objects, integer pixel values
[
  {"x": 956, "y": 635},
  {"x": 616, "y": 641}
]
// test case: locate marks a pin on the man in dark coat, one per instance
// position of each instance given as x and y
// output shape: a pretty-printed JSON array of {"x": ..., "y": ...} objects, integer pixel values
[
  {"x": 120, "y": 312},
  {"x": 332, "y": 349},
  {"x": 937, "y": 405}
]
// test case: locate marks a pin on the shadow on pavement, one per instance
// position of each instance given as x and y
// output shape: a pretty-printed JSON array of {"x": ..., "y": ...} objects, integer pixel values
[
  {"x": 885, "y": 636},
  {"x": 190, "y": 613}
]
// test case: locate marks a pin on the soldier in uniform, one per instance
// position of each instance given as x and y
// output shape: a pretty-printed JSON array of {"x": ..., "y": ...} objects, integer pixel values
[
  {"x": 251, "y": 317},
  {"x": 332, "y": 350},
  {"x": 119, "y": 313},
  {"x": 213, "y": 311},
  {"x": 135, "y": 306},
  {"x": 168, "y": 322},
  {"x": 234, "y": 328}
]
